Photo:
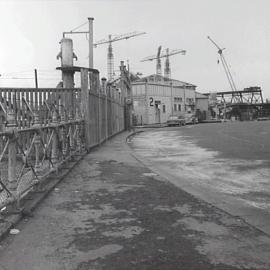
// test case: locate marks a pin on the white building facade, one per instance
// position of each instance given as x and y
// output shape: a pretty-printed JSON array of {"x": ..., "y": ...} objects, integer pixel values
[{"x": 155, "y": 98}]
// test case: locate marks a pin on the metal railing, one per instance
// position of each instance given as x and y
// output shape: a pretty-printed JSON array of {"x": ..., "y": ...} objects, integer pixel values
[{"x": 41, "y": 129}]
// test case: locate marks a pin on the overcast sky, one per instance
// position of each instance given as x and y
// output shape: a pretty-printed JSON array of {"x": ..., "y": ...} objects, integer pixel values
[{"x": 31, "y": 31}]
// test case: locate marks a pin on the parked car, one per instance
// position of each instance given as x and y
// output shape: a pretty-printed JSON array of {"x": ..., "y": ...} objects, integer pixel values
[
  {"x": 176, "y": 121},
  {"x": 191, "y": 119}
]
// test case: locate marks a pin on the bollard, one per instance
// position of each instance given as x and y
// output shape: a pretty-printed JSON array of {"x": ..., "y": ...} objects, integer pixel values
[{"x": 12, "y": 161}]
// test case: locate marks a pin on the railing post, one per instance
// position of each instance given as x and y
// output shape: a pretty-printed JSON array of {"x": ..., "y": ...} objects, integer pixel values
[
  {"x": 99, "y": 110},
  {"x": 55, "y": 139},
  {"x": 104, "y": 87},
  {"x": 78, "y": 127},
  {"x": 71, "y": 140},
  {"x": 37, "y": 143},
  {"x": 12, "y": 159},
  {"x": 63, "y": 133},
  {"x": 85, "y": 109}
]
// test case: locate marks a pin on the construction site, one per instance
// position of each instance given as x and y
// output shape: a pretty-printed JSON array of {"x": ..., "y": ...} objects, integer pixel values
[
  {"x": 156, "y": 97},
  {"x": 135, "y": 150}
]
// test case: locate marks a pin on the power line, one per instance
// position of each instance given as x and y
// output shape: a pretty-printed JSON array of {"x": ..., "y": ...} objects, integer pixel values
[
  {"x": 78, "y": 27},
  {"x": 16, "y": 78}
]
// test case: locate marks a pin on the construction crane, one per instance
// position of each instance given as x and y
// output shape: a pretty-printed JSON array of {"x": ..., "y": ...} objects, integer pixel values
[
  {"x": 167, "y": 54},
  {"x": 110, "y": 58},
  {"x": 225, "y": 65},
  {"x": 158, "y": 67}
]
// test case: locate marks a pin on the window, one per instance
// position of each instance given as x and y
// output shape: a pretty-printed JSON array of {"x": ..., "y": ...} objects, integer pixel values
[
  {"x": 164, "y": 108},
  {"x": 179, "y": 107},
  {"x": 177, "y": 99},
  {"x": 175, "y": 107},
  {"x": 190, "y": 100}
]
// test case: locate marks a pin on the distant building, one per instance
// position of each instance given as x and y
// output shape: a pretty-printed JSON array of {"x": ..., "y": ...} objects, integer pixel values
[
  {"x": 155, "y": 98},
  {"x": 202, "y": 106}
]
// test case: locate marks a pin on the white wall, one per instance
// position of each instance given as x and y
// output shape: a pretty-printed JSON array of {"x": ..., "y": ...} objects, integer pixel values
[{"x": 145, "y": 95}]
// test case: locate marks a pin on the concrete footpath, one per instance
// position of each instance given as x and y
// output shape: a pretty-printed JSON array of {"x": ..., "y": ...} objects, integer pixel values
[{"x": 112, "y": 212}]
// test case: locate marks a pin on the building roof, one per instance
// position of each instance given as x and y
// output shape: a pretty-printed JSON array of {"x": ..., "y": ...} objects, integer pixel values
[
  {"x": 161, "y": 79},
  {"x": 200, "y": 95}
]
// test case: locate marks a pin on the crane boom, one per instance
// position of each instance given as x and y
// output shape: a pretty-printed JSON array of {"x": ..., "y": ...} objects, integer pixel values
[
  {"x": 110, "y": 40},
  {"x": 225, "y": 65},
  {"x": 119, "y": 37},
  {"x": 165, "y": 54}
]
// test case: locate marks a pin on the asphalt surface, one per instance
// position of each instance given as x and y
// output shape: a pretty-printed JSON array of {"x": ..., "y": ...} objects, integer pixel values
[
  {"x": 112, "y": 212},
  {"x": 236, "y": 140},
  {"x": 226, "y": 164}
]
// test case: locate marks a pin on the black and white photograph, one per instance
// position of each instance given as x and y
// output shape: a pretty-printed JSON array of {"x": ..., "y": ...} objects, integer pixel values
[{"x": 134, "y": 135}]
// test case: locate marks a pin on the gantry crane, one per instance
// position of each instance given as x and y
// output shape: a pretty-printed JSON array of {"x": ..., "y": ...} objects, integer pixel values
[
  {"x": 225, "y": 65},
  {"x": 167, "y": 54},
  {"x": 110, "y": 58}
]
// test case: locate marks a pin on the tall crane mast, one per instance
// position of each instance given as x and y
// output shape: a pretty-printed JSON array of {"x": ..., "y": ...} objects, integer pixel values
[
  {"x": 225, "y": 65},
  {"x": 110, "y": 57},
  {"x": 167, "y": 54},
  {"x": 158, "y": 67}
]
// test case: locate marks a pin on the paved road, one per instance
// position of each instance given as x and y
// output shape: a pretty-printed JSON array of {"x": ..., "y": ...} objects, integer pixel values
[
  {"x": 226, "y": 164},
  {"x": 113, "y": 213}
]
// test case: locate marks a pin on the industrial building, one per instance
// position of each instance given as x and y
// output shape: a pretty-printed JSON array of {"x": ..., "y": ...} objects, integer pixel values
[
  {"x": 156, "y": 97},
  {"x": 202, "y": 107}
]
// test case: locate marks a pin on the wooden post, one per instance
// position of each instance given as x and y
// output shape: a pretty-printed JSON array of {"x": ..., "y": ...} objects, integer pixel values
[{"x": 85, "y": 109}]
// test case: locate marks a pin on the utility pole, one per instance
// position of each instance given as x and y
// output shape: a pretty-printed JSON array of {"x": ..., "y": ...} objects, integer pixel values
[
  {"x": 90, "y": 42},
  {"x": 91, "y": 54},
  {"x": 36, "y": 79}
]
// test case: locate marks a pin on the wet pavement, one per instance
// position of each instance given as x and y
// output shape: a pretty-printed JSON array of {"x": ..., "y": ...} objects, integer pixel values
[
  {"x": 112, "y": 212},
  {"x": 225, "y": 164}
]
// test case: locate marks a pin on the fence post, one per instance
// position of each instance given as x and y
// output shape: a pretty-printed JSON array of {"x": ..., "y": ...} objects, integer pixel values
[
  {"x": 99, "y": 110},
  {"x": 103, "y": 80},
  {"x": 85, "y": 106},
  {"x": 12, "y": 160}
]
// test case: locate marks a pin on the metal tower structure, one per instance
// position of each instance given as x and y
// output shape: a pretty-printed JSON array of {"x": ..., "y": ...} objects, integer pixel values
[
  {"x": 167, "y": 54},
  {"x": 225, "y": 65},
  {"x": 158, "y": 67},
  {"x": 110, "y": 57}
]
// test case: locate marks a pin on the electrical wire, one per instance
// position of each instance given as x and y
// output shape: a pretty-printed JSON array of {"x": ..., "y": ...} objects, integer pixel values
[
  {"x": 16, "y": 78},
  {"x": 78, "y": 27}
]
